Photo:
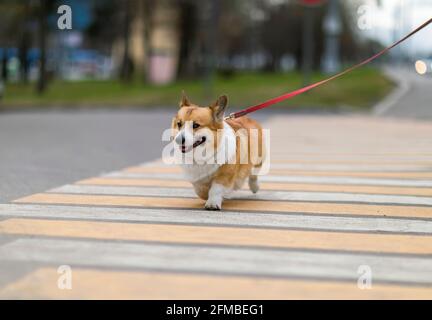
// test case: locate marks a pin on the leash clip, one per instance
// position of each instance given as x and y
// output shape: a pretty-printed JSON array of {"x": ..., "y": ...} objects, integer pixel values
[{"x": 230, "y": 116}]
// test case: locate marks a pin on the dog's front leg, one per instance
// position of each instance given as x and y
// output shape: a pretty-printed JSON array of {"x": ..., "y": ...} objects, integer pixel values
[{"x": 215, "y": 196}]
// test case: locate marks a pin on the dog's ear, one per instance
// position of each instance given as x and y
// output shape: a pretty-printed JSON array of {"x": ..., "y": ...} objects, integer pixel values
[
  {"x": 218, "y": 108},
  {"x": 184, "y": 102}
]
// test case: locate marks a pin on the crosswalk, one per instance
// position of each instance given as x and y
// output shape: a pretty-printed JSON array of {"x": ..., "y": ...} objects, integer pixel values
[{"x": 343, "y": 193}]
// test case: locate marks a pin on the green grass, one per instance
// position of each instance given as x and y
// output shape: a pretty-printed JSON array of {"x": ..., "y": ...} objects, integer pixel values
[{"x": 360, "y": 89}]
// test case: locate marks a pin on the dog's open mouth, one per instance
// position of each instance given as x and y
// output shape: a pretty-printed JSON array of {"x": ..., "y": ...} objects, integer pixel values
[{"x": 185, "y": 149}]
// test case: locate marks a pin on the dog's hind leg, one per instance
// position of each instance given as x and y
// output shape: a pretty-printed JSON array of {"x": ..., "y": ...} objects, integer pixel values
[{"x": 253, "y": 183}]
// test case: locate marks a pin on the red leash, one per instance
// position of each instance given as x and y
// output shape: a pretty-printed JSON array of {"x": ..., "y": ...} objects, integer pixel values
[{"x": 292, "y": 94}]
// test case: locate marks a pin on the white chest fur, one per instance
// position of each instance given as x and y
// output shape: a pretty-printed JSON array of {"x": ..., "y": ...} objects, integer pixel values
[
  {"x": 224, "y": 154},
  {"x": 196, "y": 172}
]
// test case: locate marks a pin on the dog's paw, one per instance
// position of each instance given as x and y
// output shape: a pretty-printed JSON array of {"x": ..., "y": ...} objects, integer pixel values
[{"x": 212, "y": 206}]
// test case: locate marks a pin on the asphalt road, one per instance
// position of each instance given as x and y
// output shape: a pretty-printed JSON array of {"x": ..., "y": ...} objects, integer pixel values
[
  {"x": 347, "y": 198},
  {"x": 47, "y": 149},
  {"x": 416, "y": 97},
  {"x": 43, "y": 150}
]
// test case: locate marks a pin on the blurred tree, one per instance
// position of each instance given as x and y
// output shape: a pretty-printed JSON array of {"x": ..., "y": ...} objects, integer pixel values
[
  {"x": 42, "y": 10},
  {"x": 189, "y": 45},
  {"x": 105, "y": 13},
  {"x": 247, "y": 28},
  {"x": 213, "y": 31},
  {"x": 282, "y": 34},
  {"x": 127, "y": 65},
  {"x": 233, "y": 30},
  {"x": 42, "y": 36},
  {"x": 13, "y": 20},
  {"x": 127, "y": 44},
  {"x": 136, "y": 32},
  {"x": 4, "y": 70},
  {"x": 25, "y": 41}
]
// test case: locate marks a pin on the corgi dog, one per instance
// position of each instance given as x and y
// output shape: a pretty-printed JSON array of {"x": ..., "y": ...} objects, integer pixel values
[{"x": 219, "y": 150}]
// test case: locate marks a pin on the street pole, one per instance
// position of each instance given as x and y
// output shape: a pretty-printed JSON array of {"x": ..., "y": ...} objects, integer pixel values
[
  {"x": 125, "y": 72},
  {"x": 332, "y": 29},
  {"x": 308, "y": 44},
  {"x": 41, "y": 83},
  {"x": 211, "y": 16},
  {"x": 308, "y": 41},
  {"x": 1, "y": 89}
]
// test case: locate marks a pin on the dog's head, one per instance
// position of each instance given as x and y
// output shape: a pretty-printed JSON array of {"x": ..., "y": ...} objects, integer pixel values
[{"x": 197, "y": 127}]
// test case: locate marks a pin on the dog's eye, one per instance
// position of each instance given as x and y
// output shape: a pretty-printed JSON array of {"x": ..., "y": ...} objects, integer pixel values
[
  {"x": 195, "y": 125},
  {"x": 179, "y": 124}
]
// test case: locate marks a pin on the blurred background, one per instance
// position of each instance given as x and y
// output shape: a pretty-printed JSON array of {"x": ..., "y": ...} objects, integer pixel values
[
  {"x": 142, "y": 53},
  {"x": 87, "y": 87}
]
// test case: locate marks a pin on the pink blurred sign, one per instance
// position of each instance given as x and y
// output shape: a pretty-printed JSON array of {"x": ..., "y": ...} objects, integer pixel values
[{"x": 163, "y": 69}]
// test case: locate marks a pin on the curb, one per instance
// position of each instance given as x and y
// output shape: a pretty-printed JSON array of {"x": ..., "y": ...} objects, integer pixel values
[{"x": 395, "y": 96}]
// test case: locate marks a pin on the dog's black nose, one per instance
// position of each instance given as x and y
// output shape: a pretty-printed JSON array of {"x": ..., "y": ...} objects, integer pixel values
[{"x": 180, "y": 139}]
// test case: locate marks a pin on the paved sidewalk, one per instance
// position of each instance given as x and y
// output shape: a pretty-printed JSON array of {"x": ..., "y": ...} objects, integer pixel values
[{"x": 345, "y": 195}]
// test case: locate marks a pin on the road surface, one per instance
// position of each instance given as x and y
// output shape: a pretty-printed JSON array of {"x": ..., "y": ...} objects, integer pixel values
[
  {"x": 345, "y": 212},
  {"x": 413, "y": 99},
  {"x": 41, "y": 150}
]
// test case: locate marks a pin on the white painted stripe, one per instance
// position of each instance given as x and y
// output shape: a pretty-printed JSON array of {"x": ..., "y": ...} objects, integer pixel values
[
  {"x": 166, "y": 176},
  {"x": 353, "y": 168},
  {"x": 377, "y": 161},
  {"x": 154, "y": 163},
  {"x": 261, "y": 195},
  {"x": 239, "y": 261},
  {"x": 329, "y": 167},
  {"x": 297, "y": 179},
  {"x": 228, "y": 218}
]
